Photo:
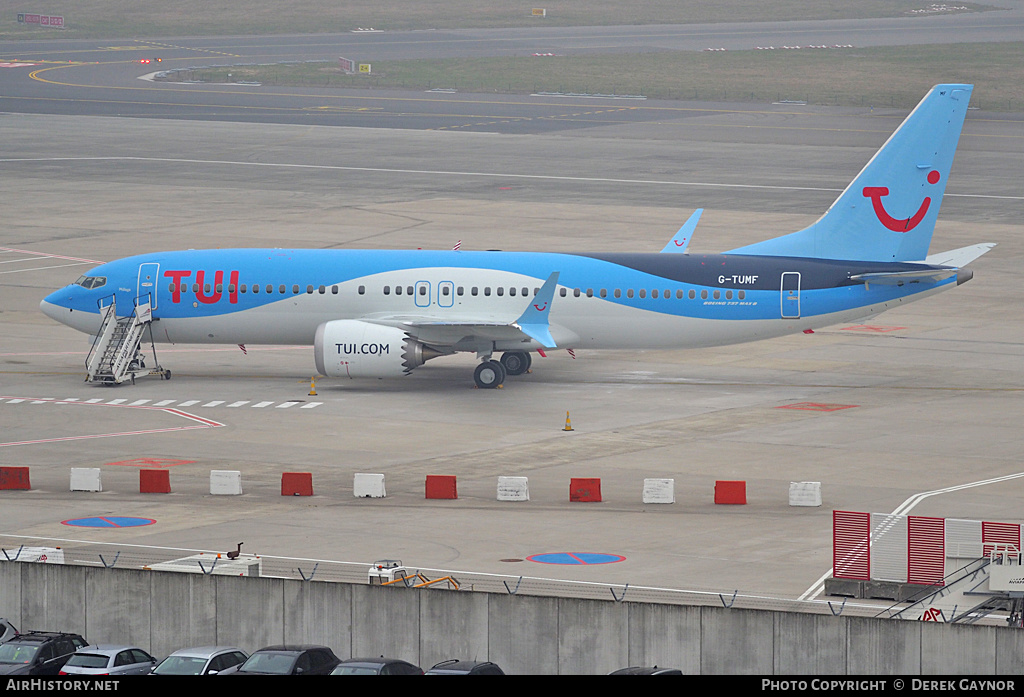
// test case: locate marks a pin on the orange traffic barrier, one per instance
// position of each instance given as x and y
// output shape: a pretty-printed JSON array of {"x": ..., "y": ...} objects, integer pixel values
[
  {"x": 441, "y": 486},
  {"x": 731, "y": 492},
  {"x": 14, "y": 478},
  {"x": 296, "y": 484},
  {"x": 154, "y": 482},
  {"x": 584, "y": 489}
]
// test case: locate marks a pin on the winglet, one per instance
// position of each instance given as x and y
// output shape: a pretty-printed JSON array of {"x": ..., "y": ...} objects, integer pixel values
[
  {"x": 534, "y": 321},
  {"x": 681, "y": 241}
]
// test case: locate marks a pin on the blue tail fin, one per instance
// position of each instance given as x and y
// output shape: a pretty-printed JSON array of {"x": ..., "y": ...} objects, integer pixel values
[{"x": 888, "y": 212}]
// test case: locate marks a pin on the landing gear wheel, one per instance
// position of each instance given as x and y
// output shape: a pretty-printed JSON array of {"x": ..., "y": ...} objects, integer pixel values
[
  {"x": 516, "y": 362},
  {"x": 488, "y": 375},
  {"x": 167, "y": 375}
]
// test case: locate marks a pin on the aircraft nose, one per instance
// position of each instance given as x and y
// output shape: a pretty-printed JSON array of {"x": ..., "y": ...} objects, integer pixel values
[{"x": 52, "y": 307}]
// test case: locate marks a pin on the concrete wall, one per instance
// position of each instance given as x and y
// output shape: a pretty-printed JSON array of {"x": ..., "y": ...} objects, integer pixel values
[{"x": 162, "y": 612}]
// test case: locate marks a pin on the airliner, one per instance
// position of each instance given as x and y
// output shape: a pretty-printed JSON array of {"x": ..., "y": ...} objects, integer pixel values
[{"x": 384, "y": 313}]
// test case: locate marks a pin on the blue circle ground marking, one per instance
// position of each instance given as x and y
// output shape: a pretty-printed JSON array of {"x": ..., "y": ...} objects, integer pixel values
[
  {"x": 576, "y": 558},
  {"x": 108, "y": 521}
]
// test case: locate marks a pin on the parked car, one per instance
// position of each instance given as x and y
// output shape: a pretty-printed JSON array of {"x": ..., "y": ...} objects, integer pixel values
[
  {"x": 109, "y": 659},
  {"x": 202, "y": 660},
  {"x": 456, "y": 667},
  {"x": 376, "y": 666},
  {"x": 38, "y": 653},
  {"x": 7, "y": 630},
  {"x": 646, "y": 670},
  {"x": 288, "y": 660}
]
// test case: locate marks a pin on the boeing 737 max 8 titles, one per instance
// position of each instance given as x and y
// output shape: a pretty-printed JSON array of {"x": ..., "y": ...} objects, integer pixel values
[{"x": 382, "y": 314}]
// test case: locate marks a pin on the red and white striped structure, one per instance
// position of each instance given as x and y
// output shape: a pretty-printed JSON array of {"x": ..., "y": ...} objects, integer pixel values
[{"x": 910, "y": 549}]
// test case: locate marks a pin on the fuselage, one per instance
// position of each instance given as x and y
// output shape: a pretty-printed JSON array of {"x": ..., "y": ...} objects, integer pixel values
[{"x": 603, "y": 300}]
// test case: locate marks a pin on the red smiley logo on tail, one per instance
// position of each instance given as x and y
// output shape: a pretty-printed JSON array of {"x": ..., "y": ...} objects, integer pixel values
[
  {"x": 875, "y": 193},
  {"x": 540, "y": 308}
]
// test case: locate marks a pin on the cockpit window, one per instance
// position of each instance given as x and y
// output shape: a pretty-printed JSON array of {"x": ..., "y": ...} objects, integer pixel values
[{"x": 91, "y": 281}]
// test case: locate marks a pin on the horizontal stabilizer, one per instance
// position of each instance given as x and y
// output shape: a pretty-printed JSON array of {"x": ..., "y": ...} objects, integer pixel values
[
  {"x": 898, "y": 278},
  {"x": 959, "y": 257}
]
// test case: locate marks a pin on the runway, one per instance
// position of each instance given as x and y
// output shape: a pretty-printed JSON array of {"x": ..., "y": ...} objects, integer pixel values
[
  {"x": 101, "y": 78},
  {"x": 933, "y": 389}
]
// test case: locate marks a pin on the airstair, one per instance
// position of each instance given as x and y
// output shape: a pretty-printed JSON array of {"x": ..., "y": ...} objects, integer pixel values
[
  {"x": 991, "y": 584},
  {"x": 116, "y": 354}
]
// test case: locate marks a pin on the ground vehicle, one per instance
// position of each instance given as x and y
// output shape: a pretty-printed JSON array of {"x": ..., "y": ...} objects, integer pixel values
[
  {"x": 201, "y": 660},
  {"x": 109, "y": 659},
  {"x": 456, "y": 667},
  {"x": 376, "y": 666},
  {"x": 7, "y": 630},
  {"x": 38, "y": 653},
  {"x": 288, "y": 659},
  {"x": 646, "y": 670}
]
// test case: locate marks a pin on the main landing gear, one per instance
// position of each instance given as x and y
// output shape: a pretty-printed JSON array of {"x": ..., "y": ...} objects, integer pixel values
[{"x": 491, "y": 373}]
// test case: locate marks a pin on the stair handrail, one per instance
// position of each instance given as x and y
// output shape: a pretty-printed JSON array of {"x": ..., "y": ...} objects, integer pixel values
[
  {"x": 929, "y": 592},
  {"x": 109, "y": 314}
]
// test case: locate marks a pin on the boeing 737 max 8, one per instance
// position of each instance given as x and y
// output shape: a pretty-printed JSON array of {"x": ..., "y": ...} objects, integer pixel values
[{"x": 384, "y": 313}]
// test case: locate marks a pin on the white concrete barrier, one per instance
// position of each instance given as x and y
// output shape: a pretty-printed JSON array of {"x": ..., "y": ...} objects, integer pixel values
[
  {"x": 86, "y": 479},
  {"x": 225, "y": 482},
  {"x": 513, "y": 489},
  {"x": 805, "y": 493},
  {"x": 659, "y": 491},
  {"x": 368, "y": 486}
]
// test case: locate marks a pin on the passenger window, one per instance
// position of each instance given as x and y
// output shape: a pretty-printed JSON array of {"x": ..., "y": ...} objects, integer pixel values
[
  {"x": 170, "y": 288},
  {"x": 742, "y": 295},
  {"x": 629, "y": 293},
  {"x": 387, "y": 290},
  {"x": 323, "y": 289},
  {"x": 728, "y": 295},
  {"x": 618, "y": 293},
  {"x": 423, "y": 290},
  {"x": 526, "y": 291},
  {"x": 309, "y": 290},
  {"x": 692, "y": 294},
  {"x": 604, "y": 293},
  {"x": 590, "y": 292},
  {"x": 487, "y": 291},
  {"x": 473, "y": 291},
  {"x": 362, "y": 290},
  {"x": 231, "y": 288},
  {"x": 281, "y": 289},
  {"x": 334, "y": 290},
  {"x": 220, "y": 288},
  {"x": 459, "y": 291},
  {"x": 243, "y": 288},
  {"x": 576, "y": 292},
  {"x": 408, "y": 290},
  {"x": 654, "y": 293},
  {"x": 512, "y": 292},
  {"x": 398, "y": 290},
  {"x": 643, "y": 292},
  {"x": 703, "y": 295},
  {"x": 445, "y": 290},
  {"x": 295, "y": 289},
  {"x": 255, "y": 288},
  {"x": 718, "y": 294},
  {"x": 501, "y": 291},
  {"x": 562, "y": 292}
]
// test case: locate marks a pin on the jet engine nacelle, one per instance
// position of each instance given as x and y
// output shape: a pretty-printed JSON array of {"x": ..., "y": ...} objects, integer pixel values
[{"x": 354, "y": 349}]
